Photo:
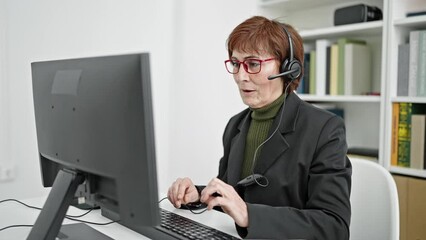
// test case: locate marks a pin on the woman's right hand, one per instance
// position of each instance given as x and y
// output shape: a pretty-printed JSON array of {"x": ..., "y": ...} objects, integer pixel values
[{"x": 182, "y": 191}]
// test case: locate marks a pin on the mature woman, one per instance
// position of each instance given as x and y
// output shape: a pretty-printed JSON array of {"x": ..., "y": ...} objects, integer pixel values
[{"x": 284, "y": 173}]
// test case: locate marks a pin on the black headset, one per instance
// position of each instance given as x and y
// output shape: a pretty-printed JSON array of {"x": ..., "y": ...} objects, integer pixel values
[{"x": 291, "y": 68}]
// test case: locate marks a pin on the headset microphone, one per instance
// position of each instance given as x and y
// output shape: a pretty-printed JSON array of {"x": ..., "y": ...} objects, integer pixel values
[{"x": 272, "y": 77}]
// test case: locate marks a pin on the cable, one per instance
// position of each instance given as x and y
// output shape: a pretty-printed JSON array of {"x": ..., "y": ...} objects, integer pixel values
[
  {"x": 15, "y": 200},
  {"x": 14, "y": 226},
  {"x": 79, "y": 216},
  {"x": 164, "y": 198},
  {"x": 38, "y": 208},
  {"x": 192, "y": 211},
  {"x": 272, "y": 134},
  {"x": 72, "y": 219},
  {"x": 88, "y": 222},
  {"x": 69, "y": 217}
]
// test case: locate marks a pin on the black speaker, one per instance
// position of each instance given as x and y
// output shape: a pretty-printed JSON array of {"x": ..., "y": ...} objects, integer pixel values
[{"x": 356, "y": 14}]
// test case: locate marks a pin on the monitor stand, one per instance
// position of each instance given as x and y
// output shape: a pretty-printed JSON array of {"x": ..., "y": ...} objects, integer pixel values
[
  {"x": 79, "y": 231},
  {"x": 50, "y": 219}
]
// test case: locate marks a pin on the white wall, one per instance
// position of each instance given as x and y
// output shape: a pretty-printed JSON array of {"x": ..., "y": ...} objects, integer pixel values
[
  {"x": 5, "y": 160},
  {"x": 50, "y": 29},
  {"x": 194, "y": 96},
  {"x": 206, "y": 95}
]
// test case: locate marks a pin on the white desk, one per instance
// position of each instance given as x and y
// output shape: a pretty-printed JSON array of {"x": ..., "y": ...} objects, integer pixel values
[{"x": 12, "y": 213}]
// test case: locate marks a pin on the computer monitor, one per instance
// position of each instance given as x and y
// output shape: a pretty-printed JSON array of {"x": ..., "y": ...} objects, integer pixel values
[{"x": 95, "y": 137}]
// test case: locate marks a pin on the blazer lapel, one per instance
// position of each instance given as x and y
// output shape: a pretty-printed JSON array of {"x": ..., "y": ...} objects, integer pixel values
[
  {"x": 236, "y": 153},
  {"x": 277, "y": 145}
]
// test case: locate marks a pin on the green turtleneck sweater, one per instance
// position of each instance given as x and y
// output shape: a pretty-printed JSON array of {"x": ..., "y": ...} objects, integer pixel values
[{"x": 260, "y": 125}]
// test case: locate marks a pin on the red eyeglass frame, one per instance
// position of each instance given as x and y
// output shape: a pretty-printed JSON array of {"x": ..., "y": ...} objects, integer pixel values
[{"x": 245, "y": 64}]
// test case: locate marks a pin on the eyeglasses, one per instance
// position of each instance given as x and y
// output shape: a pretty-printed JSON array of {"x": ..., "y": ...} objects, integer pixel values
[{"x": 251, "y": 65}]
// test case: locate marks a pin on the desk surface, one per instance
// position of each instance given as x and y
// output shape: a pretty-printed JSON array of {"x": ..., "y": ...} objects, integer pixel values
[{"x": 13, "y": 213}]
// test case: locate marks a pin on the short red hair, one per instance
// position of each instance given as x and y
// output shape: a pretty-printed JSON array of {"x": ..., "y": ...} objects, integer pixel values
[{"x": 261, "y": 34}]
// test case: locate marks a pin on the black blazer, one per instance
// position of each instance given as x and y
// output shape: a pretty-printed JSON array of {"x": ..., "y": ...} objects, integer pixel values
[{"x": 308, "y": 171}]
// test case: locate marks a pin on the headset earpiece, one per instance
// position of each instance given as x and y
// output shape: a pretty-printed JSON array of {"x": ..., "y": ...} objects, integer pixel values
[
  {"x": 291, "y": 67},
  {"x": 295, "y": 68},
  {"x": 284, "y": 66}
]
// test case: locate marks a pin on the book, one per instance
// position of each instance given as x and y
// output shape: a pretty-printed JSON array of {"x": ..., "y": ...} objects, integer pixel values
[
  {"x": 403, "y": 65},
  {"x": 341, "y": 42},
  {"x": 337, "y": 111},
  {"x": 305, "y": 78},
  {"x": 306, "y": 68},
  {"x": 324, "y": 105},
  {"x": 321, "y": 69},
  {"x": 331, "y": 108},
  {"x": 394, "y": 139},
  {"x": 312, "y": 73},
  {"x": 414, "y": 14},
  {"x": 417, "y": 146},
  {"x": 334, "y": 55},
  {"x": 404, "y": 134},
  {"x": 357, "y": 69},
  {"x": 327, "y": 70},
  {"x": 421, "y": 65},
  {"x": 364, "y": 151},
  {"x": 371, "y": 154},
  {"x": 412, "y": 73},
  {"x": 355, "y": 156},
  {"x": 301, "y": 84},
  {"x": 406, "y": 110}
]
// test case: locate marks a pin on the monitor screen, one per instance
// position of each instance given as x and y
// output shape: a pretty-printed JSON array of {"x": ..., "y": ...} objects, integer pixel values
[{"x": 95, "y": 138}]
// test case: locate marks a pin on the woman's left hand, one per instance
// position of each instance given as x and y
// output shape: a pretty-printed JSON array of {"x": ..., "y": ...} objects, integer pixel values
[{"x": 218, "y": 193}]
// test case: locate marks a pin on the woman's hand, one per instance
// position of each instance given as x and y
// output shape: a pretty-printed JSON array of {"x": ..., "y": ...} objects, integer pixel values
[
  {"x": 218, "y": 193},
  {"x": 182, "y": 191}
]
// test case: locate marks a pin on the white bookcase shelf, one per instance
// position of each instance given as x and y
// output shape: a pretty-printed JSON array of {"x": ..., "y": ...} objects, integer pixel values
[
  {"x": 352, "y": 30},
  {"x": 353, "y": 98},
  {"x": 409, "y": 99},
  {"x": 417, "y": 21},
  {"x": 299, "y": 4},
  {"x": 408, "y": 171}
]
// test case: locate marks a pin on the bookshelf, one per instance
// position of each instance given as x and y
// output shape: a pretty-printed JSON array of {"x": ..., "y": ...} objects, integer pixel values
[
  {"x": 368, "y": 118},
  {"x": 364, "y": 114},
  {"x": 398, "y": 31}
]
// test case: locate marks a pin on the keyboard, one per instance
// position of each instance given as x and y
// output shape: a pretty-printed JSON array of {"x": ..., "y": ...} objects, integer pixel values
[{"x": 189, "y": 229}]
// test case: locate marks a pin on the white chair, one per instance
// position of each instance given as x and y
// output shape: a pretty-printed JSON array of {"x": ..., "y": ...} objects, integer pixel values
[{"x": 374, "y": 200}]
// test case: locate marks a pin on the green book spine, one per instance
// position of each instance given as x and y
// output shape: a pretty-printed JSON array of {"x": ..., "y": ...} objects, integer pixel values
[
  {"x": 312, "y": 73},
  {"x": 341, "y": 42},
  {"x": 404, "y": 134},
  {"x": 406, "y": 110}
]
